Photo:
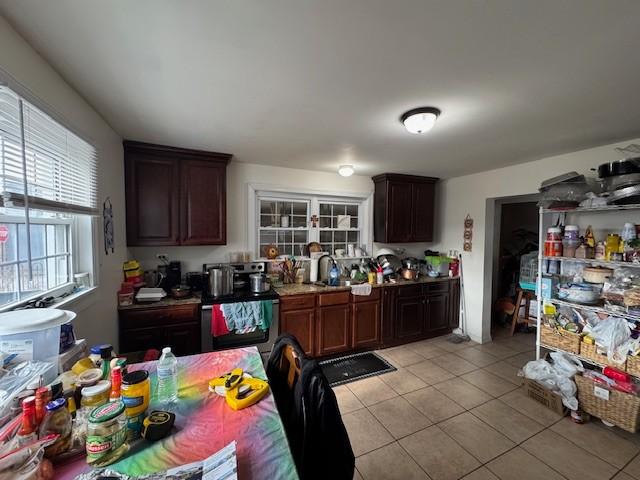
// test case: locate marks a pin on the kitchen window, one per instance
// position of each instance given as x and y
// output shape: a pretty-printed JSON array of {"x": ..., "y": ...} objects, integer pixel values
[
  {"x": 47, "y": 200},
  {"x": 290, "y": 221}
]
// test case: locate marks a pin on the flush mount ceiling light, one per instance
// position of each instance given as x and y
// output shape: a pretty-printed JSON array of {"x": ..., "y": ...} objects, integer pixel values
[
  {"x": 346, "y": 170},
  {"x": 420, "y": 120}
]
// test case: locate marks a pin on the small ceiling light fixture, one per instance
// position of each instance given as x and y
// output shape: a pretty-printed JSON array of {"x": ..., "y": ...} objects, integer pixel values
[
  {"x": 420, "y": 120},
  {"x": 346, "y": 170}
]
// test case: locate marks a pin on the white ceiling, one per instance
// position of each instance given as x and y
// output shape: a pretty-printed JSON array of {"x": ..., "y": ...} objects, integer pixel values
[{"x": 313, "y": 84}]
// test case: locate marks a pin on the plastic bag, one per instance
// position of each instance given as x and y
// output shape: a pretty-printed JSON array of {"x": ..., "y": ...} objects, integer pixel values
[
  {"x": 555, "y": 377},
  {"x": 613, "y": 334}
]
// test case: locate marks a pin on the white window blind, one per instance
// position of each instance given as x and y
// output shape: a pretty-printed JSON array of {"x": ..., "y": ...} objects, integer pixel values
[{"x": 56, "y": 166}]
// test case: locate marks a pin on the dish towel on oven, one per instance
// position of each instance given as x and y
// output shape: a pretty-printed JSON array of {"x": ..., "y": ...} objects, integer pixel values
[{"x": 246, "y": 317}]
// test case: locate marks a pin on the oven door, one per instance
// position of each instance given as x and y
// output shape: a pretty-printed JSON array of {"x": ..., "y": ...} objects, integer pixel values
[{"x": 263, "y": 340}]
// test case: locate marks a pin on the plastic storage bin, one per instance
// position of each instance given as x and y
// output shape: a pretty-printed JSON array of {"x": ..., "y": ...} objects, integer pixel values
[{"x": 33, "y": 334}]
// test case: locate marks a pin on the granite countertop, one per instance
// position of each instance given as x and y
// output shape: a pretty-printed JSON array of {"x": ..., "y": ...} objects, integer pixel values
[
  {"x": 307, "y": 288},
  {"x": 165, "y": 302}
]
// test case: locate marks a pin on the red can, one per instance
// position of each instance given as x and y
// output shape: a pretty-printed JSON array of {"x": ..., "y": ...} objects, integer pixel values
[{"x": 553, "y": 248}]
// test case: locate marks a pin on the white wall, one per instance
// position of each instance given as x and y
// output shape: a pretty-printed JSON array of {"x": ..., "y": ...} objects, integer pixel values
[
  {"x": 97, "y": 315},
  {"x": 475, "y": 194},
  {"x": 239, "y": 176}
]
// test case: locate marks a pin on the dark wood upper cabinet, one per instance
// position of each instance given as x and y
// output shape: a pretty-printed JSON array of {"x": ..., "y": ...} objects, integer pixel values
[
  {"x": 203, "y": 203},
  {"x": 175, "y": 196},
  {"x": 152, "y": 200},
  {"x": 403, "y": 208}
]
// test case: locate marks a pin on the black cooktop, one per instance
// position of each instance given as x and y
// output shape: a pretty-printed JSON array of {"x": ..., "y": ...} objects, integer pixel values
[{"x": 243, "y": 295}]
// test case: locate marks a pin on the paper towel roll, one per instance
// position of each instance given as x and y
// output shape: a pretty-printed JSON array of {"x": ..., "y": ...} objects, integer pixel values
[{"x": 313, "y": 272}]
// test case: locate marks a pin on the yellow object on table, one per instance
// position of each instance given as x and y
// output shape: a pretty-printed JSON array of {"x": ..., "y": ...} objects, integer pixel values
[
  {"x": 82, "y": 365},
  {"x": 248, "y": 392}
]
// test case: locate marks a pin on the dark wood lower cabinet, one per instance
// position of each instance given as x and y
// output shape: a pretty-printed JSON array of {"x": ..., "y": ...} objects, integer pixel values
[
  {"x": 437, "y": 313},
  {"x": 410, "y": 318},
  {"x": 365, "y": 324},
  {"x": 337, "y": 322},
  {"x": 333, "y": 330},
  {"x": 156, "y": 327},
  {"x": 300, "y": 324}
]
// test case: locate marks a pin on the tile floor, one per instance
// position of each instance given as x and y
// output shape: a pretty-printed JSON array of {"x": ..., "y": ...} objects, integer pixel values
[{"x": 455, "y": 411}]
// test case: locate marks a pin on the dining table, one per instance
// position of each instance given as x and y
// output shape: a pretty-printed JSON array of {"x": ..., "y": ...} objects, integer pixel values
[{"x": 205, "y": 423}]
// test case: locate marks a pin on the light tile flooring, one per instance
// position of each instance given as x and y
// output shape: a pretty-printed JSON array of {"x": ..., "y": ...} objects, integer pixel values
[{"x": 455, "y": 411}]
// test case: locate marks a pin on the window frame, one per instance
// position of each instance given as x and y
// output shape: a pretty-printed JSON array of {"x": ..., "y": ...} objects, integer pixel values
[
  {"x": 85, "y": 255},
  {"x": 257, "y": 192}
]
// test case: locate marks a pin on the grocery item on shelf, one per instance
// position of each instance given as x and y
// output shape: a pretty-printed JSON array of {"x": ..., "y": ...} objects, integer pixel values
[{"x": 597, "y": 275}]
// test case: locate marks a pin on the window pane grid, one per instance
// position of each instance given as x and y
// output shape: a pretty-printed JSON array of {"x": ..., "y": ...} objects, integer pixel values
[
  {"x": 283, "y": 223},
  {"x": 50, "y": 263}
]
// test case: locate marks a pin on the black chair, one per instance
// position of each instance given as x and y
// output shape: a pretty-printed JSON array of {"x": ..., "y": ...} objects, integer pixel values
[{"x": 309, "y": 410}]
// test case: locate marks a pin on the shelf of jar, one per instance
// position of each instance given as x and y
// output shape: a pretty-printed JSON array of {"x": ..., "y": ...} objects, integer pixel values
[
  {"x": 593, "y": 308},
  {"x": 606, "y": 208},
  {"x": 591, "y": 261}
]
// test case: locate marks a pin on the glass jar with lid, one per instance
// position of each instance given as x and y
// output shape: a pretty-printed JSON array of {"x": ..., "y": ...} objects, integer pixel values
[
  {"x": 106, "y": 434},
  {"x": 96, "y": 395},
  {"x": 57, "y": 419}
]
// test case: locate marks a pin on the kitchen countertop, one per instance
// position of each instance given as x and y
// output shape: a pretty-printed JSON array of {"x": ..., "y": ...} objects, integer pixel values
[
  {"x": 305, "y": 288},
  {"x": 165, "y": 302},
  {"x": 288, "y": 289}
]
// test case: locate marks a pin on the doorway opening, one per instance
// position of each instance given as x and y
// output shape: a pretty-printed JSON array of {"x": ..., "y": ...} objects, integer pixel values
[{"x": 515, "y": 245}]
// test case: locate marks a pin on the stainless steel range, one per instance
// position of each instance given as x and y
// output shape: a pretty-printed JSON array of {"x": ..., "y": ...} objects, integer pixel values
[{"x": 240, "y": 293}]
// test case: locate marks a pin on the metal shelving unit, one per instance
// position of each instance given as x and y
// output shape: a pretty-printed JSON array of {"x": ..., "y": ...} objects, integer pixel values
[{"x": 541, "y": 258}]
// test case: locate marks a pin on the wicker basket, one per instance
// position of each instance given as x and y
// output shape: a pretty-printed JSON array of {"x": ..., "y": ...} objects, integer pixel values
[
  {"x": 589, "y": 351},
  {"x": 621, "y": 409},
  {"x": 561, "y": 339},
  {"x": 633, "y": 365}
]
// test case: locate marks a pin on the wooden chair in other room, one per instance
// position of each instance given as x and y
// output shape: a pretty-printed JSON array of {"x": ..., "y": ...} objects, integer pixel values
[{"x": 525, "y": 296}]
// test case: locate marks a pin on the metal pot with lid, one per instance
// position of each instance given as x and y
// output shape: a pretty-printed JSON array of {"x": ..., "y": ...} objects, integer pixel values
[
  {"x": 259, "y": 283},
  {"x": 219, "y": 280}
]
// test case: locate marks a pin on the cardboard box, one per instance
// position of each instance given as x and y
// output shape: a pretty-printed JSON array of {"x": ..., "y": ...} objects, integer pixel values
[{"x": 546, "y": 397}]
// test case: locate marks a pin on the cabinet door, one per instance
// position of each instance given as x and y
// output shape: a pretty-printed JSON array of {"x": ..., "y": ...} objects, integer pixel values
[
  {"x": 365, "y": 318},
  {"x": 389, "y": 312},
  {"x": 437, "y": 313},
  {"x": 184, "y": 339},
  {"x": 422, "y": 210},
  {"x": 152, "y": 200},
  {"x": 400, "y": 218},
  {"x": 141, "y": 339},
  {"x": 203, "y": 208},
  {"x": 300, "y": 324},
  {"x": 410, "y": 318},
  {"x": 333, "y": 330}
]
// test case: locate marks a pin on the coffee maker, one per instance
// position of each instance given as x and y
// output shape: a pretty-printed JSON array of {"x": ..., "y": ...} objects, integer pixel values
[{"x": 170, "y": 275}]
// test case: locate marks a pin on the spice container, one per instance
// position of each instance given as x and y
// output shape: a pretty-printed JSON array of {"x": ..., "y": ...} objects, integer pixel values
[
  {"x": 57, "y": 420},
  {"x": 96, "y": 395},
  {"x": 106, "y": 434},
  {"x": 600, "y": 252},
  {"x": 571, "y": 232},
  {"x": 136, "y": 393},
  {"x": 612, "y": 245},
  {"x": 554, "y": 234}
]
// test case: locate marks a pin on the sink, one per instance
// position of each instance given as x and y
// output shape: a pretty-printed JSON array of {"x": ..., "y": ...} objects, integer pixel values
[{"x": 341, "y": 283}]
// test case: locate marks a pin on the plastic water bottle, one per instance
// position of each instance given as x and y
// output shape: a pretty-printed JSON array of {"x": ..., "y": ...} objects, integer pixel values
[{"x": 167, "y": 378}]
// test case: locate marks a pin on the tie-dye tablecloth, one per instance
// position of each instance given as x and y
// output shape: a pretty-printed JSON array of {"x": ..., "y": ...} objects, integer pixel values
[{"x": 205, "y": 424}]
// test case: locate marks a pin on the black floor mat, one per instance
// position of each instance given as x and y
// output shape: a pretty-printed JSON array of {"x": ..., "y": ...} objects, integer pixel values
[{"x": 354, "y": 367}]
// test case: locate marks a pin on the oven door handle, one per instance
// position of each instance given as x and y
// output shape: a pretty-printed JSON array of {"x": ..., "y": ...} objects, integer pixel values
[{"x": 210, "y": 307}]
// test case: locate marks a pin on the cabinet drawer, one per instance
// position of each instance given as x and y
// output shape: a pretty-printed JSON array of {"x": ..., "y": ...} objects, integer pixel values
[
  {"x": 410, "y": 291},
  {"x": 151, "y": 317},
  {"x": 375, "y": 296},
  {"x": 338, "y": 298},
  {"x": 438, "y": 287},
  {"x": 297, "y": 302}
]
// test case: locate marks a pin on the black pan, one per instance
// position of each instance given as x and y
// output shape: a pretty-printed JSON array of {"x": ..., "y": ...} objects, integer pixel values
[{"x": 619, "y": 167}]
